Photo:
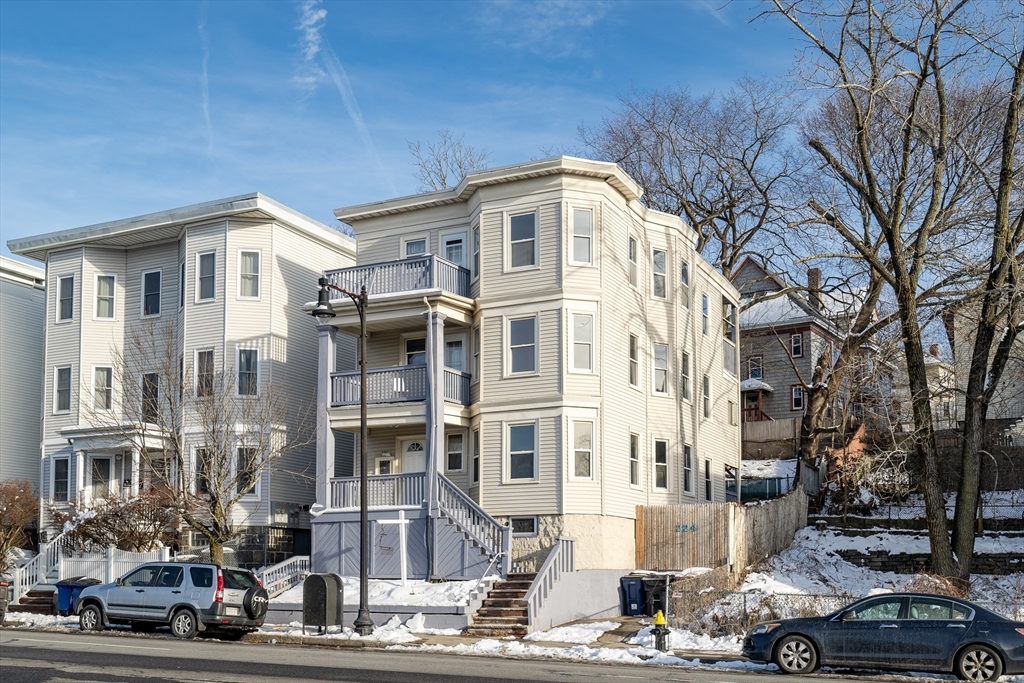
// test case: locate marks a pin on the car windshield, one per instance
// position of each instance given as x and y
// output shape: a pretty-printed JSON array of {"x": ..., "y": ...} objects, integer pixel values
[{"x": 238, "y": 579}]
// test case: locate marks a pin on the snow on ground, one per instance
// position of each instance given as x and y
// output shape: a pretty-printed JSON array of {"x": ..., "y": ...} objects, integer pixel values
[
  {"x": 996, "y": 505},
  {"x": 29, "y": 620},
  {"x": 768, "y": 469},
  {"x": 394, "y": 631},
  {"x": 679, "y": 639},
  {"x": 385, "y": 592},
  {"x": 574, "y": 633}
]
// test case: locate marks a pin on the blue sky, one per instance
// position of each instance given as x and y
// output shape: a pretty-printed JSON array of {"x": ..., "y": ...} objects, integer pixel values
[{"x": 113, "y": 109}]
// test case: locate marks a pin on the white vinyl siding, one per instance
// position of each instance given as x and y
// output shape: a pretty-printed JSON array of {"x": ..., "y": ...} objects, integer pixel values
[
  {"x": 106, "y": 293},
  {"x": 249, "y": 264}
]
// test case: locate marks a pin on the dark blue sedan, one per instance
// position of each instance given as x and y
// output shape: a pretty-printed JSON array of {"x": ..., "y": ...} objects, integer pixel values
[{"x": 901, "y": 631}]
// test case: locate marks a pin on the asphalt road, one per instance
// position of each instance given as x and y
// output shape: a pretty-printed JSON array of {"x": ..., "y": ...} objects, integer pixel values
[{"x": 38, "y": 657}]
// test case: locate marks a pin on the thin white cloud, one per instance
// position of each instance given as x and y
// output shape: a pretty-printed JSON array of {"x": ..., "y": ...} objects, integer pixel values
[
  {"x": 204, "y": 79},
  {"x": 313, "y": 17},
  {"x": 543, "y": 26}
]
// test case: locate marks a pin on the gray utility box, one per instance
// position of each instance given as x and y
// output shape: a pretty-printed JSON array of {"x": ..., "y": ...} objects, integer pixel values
[{"x": 323, "y": 600}]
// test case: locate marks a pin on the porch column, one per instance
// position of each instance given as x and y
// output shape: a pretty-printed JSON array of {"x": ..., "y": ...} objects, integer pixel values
[
  {"x": 136, "y": 472},
  {"x": 81, "y": 492},
  {"x": 324, "y": 433},
  {"x": 435, "y": 403}
]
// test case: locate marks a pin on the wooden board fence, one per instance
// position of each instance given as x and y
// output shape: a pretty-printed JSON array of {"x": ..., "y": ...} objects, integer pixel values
[{"x": 674, "y": 537}]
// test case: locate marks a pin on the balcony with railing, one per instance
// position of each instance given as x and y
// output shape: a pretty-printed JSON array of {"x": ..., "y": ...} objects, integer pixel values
[
  {"x": 418, "y": 273},
  {"x": 398, "y": 384},
  {"x": 386, "y": 490}
]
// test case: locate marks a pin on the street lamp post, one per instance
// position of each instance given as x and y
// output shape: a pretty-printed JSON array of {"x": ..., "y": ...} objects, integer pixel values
[{"x": 323, "y": 311}]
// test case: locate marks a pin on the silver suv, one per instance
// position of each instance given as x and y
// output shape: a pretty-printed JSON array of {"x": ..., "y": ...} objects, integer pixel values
[{"x": 187, "y": 597}]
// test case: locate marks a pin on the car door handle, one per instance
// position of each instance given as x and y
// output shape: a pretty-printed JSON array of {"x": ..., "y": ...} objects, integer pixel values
[
  {"x": 140, "y": 590},
  {"x": 175, "y": 592},
  {"x": 956, "y": 625},
  {"x": 889, "y": 626}
]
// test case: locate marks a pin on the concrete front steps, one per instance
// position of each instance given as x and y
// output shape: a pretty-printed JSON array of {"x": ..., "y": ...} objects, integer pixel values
[
  {"x": 39, "y": 600},
  {"x": 503, "y": 612}
]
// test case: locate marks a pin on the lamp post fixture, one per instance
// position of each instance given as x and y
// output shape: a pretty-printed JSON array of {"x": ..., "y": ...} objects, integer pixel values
[{"x": 323, "y": 311}]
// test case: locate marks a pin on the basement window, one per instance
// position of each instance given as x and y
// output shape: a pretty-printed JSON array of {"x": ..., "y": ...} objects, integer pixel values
[{"x": 523, "y": 526}]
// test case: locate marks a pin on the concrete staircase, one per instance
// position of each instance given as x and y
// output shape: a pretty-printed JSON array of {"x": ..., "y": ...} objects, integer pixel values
[{"x": 503, "y": 612}]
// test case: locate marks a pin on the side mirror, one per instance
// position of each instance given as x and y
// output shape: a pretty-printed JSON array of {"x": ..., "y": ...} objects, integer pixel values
[
  {"x": 848, "y": 615},
  {"x": 118, "y": 582}
]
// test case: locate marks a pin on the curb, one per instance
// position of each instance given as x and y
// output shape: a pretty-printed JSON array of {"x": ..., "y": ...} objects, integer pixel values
[{"x": 318, "y": 641}]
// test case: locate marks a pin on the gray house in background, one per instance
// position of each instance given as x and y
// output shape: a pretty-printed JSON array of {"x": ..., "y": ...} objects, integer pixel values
[{"x": 22, "y": 329}]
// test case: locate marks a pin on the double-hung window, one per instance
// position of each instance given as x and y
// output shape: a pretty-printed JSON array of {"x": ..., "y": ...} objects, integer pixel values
[
  {"x": 729, "y": 334},
  {"x": 582, "y": 233},
  {"x": 707, "y": 481},
  {"x": 65, "y": 298},
  {"x": 634, "y": 267},
  {"x": 705, "y": 399},
  {"x": 796, "y": 345},
  {"x": 249, "y": 274},
  {"x": 582, "y": 342},
  {"x": 583, "y": 449},
  {"x": 660, "y": 368},
  {"x": 684, "y": 283},
  {"x": 523, "y": 240},
  {"x": 206, "y": 282},
  {"x": 61, "y": 479},
  {"x": 248, "y": 371},
  {"x": 150, "y": 397},
  {"x": 476, "y": 456},
  {"x": 660, "y": 464},
  {"x": 102, "y": 388},
  {"x": 203, "y": 470},
  {"x": 62, "y": 390},
  {"x": 476, "y": 354},
  {"x": 106, "y": 286},
  {"x": 796, "y": 397},
  {"x": 523, "y": 345},
  {"x": 151, "y": 282},
  {"x": 204, "y": 372},
  {"x": 476, "y": 252},
  {"x": 704, "y": 313},
  {"x": 246, "y": 467},
  {"x": 416, "y": 351},
  {"x": 522, "y": 451},
  {"x": 454, "y": 453},
  {"x": 634, "y": 460},
  {"x": 684, "y": 372},
  {"x": 634, "y": 360},
  {"x": 755, "y": 367},
  {"x": 687, "y": 469},
  {"x": 455, "y": 354},
  {"x": 181, "y": 285},
  {"x": 415, "y": 247},
  {"x": 659, "y": 264}
]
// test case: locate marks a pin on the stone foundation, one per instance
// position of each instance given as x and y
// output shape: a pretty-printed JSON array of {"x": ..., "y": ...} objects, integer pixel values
[{"x": 912, "y": 563}]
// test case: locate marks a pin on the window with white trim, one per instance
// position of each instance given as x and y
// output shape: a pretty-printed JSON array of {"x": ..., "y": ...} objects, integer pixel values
[
  {"x": 453, "y": 248},
  {"x": 796, "y": 345},
  {"x": 755, "y": 367},
  {"x": 684, "y": 371},
  {"x": 634, "y": 460},
  {"x": 634, "y": 267},
  {"x": 522, "y": 451},
  {"x": 248, "y": 372},
  {"x": 659, "y": 368},
  {"x": 522, "y": 234},
  {"x": 684, "y": 283},
  {"x": 707, "y": 481},
  {"x": 582, "y": 234},
  {"x": 204, "y": 372},
  {"x": 102, "y": 388},
  {"x": 202, "y": 467},
  {"x": 106, "y": 287},
  {"x": 62, "y": 389},
  {"x": 181, "y": 286},
  {"x": 65, "y": 298},
  {"x": 523, "y": 526},
  {"x": 661, "y": 464},
  {"x": 476, "y": 456},
  {"x": 249, "y": 274},
  {"x": 476, "y": 353},
  {"x": 150, "y": 397},
  {"x": 455, "y": 354},
  {"x": 582, "y": 449},
  {"x": 415, "y": 247},
  {"x": 476, "y": 252},
  {"x": 582, "y": 342},
  {"x": 687, "y": 469},
  {"x": 729, "y": 336},
  {"x": 796, "y": 397},
  {"x": 634, "y": 360},
  {"x": 705, "y": 399},
  {"x": 704, "y": 313},
  {"x": 659, "y": 266},
  {"x": 522, "y": 333},
  {"x": 453, "y": 461},
  {"x": 416, "y": 351},
  {"x": 206, "y": 281},
  {"x": 61, "y": 479},
  {"x": 246, "y": 471},
  {"x": 151, "y": 285}
]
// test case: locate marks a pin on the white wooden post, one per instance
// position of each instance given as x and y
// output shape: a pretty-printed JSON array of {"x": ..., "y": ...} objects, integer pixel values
[
  {"x": 403, "y": 525},
  {"x": 165, "y": 554},
  {"x": 110, "y": 564},
  {"x": 324, "y": 433}
]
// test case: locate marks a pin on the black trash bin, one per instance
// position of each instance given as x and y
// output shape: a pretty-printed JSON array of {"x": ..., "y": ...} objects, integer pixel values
[
  {"x": 632, "y": 596},
  {"x": 656, "y": 594},
  {"x": 68, "y": 591},
  {"x": 323, "y": 598}
]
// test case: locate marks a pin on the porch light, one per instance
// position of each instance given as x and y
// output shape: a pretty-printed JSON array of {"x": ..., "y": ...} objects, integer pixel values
[{"x": 323, "y": 311}]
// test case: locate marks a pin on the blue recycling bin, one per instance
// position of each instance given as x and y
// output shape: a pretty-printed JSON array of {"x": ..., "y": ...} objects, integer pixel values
[
  {"x": 68, "y": 591},
  {"x": 633, "y": 597}
]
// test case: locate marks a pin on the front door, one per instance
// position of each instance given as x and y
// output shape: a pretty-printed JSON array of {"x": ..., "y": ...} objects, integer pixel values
[{"x": 414, "y": 456}]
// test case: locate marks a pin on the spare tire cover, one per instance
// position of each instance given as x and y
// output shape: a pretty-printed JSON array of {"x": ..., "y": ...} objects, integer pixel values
[{"x": 255, "y": 602}]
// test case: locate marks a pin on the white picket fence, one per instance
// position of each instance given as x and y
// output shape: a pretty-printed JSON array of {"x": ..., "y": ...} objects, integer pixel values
[{"x": 106, "y": 566}]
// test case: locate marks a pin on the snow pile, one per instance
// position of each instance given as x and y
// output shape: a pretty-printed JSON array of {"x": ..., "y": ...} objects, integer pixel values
[
  {"x": 574, "y": 633},
  {"x": 768, "y": 469},
  {"x": 385, "y": 592},
  {"x": 679, "y": 639},
  {"x": 30, "y": 620},
  {"x": 394, "y": 631}
]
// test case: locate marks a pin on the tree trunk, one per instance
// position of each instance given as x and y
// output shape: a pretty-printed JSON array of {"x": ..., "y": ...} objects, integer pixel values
[{"x": 216, "y": 552}]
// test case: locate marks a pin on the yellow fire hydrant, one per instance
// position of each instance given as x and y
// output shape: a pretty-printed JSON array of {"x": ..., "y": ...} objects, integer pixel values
[{"x": 660, "y": 632}]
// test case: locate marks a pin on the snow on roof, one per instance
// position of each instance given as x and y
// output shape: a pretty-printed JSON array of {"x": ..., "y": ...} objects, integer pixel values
[
  {"x": 755, "y": 384},
  {"x": 772, "y": 311}
]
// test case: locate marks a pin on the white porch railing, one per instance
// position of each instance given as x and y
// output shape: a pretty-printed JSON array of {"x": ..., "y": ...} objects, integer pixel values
[
  {"x": 398, "y": 384},
  {"x": 34, "y": 572},
  {"x": 561, "y": 560},
  {"x": 280, "y": 577},
  {"x": 109, "y": 565},
  {"x": 495, "y": 539},
  {"x": 404, "y": 275},
  {"x": 385, "y": 490}
]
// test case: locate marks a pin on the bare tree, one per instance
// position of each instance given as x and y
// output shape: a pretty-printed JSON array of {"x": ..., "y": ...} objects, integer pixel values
[
  {"x": 720, "y": 161},
  {"x": 137, "y": 524},
  {"x": 920, "y": 123},
  {"x": 206, "y": 435},
  {"x": 19, "y": 507},
  {"x": 445, "y": 161}
]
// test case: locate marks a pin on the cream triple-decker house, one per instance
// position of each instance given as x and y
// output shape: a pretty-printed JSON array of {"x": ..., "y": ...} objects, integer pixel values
[{"x": 544, "y": 355}]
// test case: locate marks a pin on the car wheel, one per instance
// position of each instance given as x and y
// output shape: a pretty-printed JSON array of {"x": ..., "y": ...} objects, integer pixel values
[
  {"x": 90, "y": 619},
  {"x": 796, "y": 655},
  {"x": 183, "y": 624},
  {"x": 978, "y": 663}
]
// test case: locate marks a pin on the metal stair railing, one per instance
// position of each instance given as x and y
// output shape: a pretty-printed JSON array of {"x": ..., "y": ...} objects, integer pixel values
[
  {"x": 280, "y": 577},
  {"x": 561, "y": 560},
  {"x": 34, "y": 572},
  {"x": 470, "y": 518}
]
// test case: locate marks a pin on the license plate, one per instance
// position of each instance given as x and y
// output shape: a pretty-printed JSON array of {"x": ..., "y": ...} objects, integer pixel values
[{"x": 232, "y": 611}]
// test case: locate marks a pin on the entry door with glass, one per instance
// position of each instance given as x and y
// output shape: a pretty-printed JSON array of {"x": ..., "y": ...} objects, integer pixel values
[
  {"x": 100, "y": 478},
  {"x": 453, "y": 248},
  {"x": 414, "y": 456}
]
